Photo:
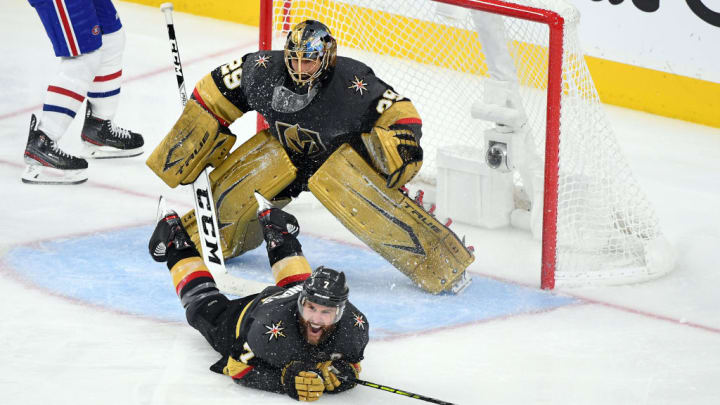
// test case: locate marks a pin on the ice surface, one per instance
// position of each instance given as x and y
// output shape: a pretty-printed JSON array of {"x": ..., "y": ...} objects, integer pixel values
[{"x": 88, "y": 318}]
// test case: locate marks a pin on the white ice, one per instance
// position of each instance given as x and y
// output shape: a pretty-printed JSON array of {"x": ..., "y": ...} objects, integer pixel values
[{"x": 652, "y": 343}]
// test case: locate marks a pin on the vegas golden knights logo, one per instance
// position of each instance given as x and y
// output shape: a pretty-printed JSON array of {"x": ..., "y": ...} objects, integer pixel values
[{"x": 300, "y": 140}]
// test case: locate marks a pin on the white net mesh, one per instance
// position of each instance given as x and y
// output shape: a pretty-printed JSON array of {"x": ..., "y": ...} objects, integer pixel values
[{"x": 607, "y": 231}]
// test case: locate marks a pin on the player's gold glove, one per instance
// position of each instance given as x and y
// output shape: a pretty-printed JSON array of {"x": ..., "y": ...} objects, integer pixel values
[
  {"x": 302, "y": 381},
  {"x": 335, "y": 374},
  {"x": 395, "y": 153},
  {"x": 328, "y": 374}
]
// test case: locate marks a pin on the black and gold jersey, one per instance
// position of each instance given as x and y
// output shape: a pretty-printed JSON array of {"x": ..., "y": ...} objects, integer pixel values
[
  {"x": 270, "y": 328},
  {"x": 311, "y": 123},
  {"x": 267, "y": 337}
]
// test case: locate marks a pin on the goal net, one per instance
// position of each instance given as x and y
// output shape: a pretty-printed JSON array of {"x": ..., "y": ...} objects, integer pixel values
[{"x": 512, "y": 67}]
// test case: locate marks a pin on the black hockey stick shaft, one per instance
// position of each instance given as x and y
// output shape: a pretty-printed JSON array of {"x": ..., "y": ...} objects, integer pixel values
[
  {"x": 167, "y": 9},
  {"x": 394, "y": 390}
]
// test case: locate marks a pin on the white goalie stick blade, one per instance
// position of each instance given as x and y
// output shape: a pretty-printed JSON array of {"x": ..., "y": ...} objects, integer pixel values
[
  {"x": 238, "y": 286},
  {"x": 209, "y": 239}
]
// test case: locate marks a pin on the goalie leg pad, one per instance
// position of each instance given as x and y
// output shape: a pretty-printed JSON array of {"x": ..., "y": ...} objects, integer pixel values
[
  {"x": 194, "y": 142},
  {"x": 389, "y": 222},
  {"x": 259, "y": 164}
]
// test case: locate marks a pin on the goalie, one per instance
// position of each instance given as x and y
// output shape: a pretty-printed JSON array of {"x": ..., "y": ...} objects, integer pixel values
[{"x": 336, "y": 130}]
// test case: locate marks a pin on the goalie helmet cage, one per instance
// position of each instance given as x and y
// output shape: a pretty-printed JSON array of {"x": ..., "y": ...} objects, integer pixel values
[{"x": 598, "y": 226}]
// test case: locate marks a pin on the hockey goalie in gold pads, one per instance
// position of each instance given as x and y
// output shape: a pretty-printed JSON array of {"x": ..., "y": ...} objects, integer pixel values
[{"x": 336, "y": 130}]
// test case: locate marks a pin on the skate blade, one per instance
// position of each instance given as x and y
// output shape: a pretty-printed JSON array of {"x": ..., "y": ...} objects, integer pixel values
[
  {"x": 162, "y": 210},
  {"x": 461, "y": 284},
  {"x": 91, "y": 151},
  {"x": 36, "y": 174},
  {"x": 263, "y": 203}
]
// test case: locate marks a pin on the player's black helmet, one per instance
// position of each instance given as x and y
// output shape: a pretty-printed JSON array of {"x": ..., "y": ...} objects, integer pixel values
[
  {"x": 326, "y": 287},
  {"x": 310, "y": 40}
]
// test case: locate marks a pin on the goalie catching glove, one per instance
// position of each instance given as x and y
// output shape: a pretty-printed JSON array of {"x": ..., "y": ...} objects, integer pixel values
[
  {"x": 302, "y": 381},
  {"x": 395, "y": 153}
]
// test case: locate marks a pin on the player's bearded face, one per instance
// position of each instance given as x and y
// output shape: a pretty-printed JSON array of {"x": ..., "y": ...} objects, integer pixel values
[{"x": 316, "y": 322}]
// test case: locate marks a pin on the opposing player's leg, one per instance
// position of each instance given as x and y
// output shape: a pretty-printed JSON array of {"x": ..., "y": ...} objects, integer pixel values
[
  {"x": 101, "y": 137},
  {"x": 76, "y": 43},
  {"x": 46, "y": 163},
  {"x": 259, "y": 164},
  {"x": 391, "y": 223}
]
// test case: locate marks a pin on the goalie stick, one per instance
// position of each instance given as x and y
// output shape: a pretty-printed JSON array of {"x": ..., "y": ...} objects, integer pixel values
[
  {"x": 394, "y": 390},
  {"x": 205, "y": 212}
]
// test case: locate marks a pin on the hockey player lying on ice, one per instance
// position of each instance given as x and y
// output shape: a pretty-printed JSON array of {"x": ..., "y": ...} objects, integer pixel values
[
  {"x": 299, "y": 337},
  {"x": 335, "y": 130}
]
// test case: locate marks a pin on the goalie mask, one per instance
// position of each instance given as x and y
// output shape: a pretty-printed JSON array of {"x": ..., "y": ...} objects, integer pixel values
[
  {"x": 310, "y": 52},
  {"x": 324, "y": 287}
]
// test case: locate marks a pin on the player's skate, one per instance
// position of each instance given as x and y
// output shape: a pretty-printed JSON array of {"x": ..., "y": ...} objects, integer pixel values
[
  {"x": 47, "y": 163},
  {"x": 168, "y": 232},
  {"x": 104, "y": 140}
]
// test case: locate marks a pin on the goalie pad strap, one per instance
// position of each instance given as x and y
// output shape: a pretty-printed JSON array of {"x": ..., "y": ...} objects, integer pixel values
[
  {"x": 259, "y": 164},
  {"x": 389, "y": 222}
]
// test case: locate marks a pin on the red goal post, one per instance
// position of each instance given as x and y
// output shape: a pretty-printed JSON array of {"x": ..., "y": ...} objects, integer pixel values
[{"x": 625, "y": 244}]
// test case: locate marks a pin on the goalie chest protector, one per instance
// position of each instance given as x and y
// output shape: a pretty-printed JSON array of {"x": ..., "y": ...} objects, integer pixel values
[{"x": 346, "y": 105}]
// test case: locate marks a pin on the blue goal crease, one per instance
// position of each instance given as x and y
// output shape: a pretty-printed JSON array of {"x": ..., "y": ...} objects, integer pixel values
[{"x": 114, "y": 270}]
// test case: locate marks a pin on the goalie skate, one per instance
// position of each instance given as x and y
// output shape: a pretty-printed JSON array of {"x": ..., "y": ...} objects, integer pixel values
[
  {"x": 47, "y": 163},
  {"x": 102, "y": 139}
]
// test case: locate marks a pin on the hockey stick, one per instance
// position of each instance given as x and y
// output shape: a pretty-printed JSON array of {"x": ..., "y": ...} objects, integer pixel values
[
  {"x": 394, "y": 390},
  {"x": 205, "y": 212}
]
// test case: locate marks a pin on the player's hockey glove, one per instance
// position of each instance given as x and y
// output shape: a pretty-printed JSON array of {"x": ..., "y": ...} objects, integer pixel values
[
  {"x": 395, "y": 153},
  {"x": 169, "y": 234},
  {"x": 302, "y": 381},
  {"x": 334, "y": 374}
]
